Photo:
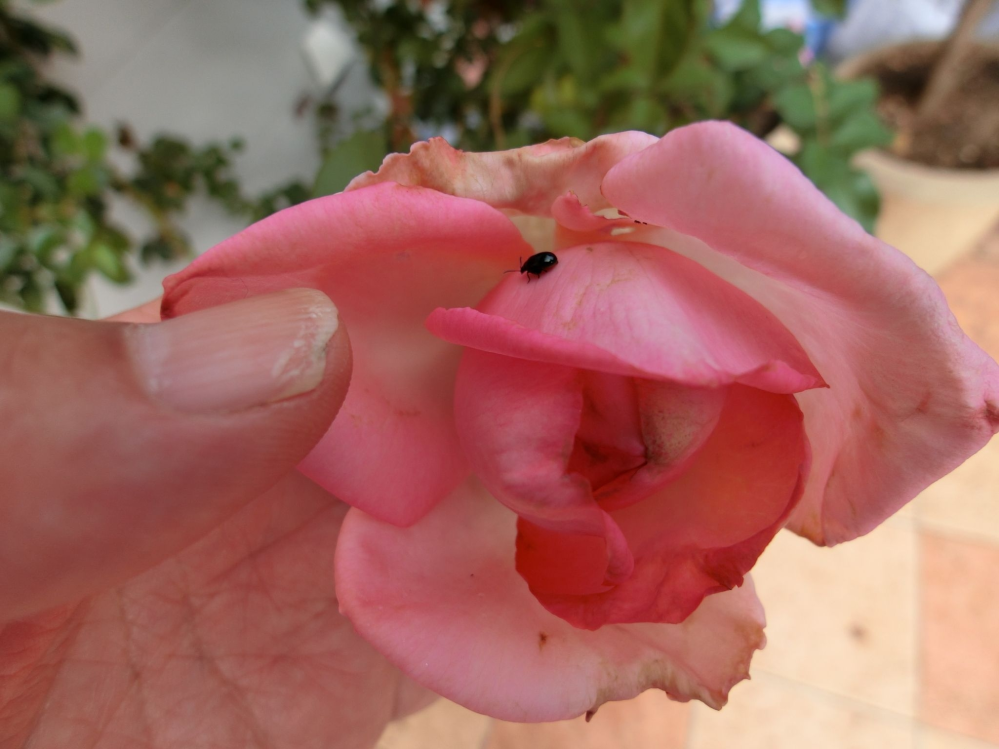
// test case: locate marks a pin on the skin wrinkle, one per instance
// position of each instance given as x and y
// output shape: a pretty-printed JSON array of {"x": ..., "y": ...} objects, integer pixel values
[
  {"x": 257, "y": 552},
  {"x": 253, "y": 559},
  {"x": 237, "y": 699},
  {"x": 179, "y": 579},
  {"x": 135, "y": 681},
  {"x": 65, "y": 643}
]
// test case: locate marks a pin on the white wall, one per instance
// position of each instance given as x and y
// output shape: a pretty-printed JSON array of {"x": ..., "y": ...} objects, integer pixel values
[{"x": 204, "y": 69}]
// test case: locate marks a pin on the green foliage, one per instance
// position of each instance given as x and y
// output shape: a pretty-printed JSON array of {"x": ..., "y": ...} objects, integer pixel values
[
  {"x": 361, "y": 152},
  {"x": 58, "y": 178},
  {"x": 550, "y": 68},
  {"x": 833, "y": 8},
  {"x": 835, "y": 119}
]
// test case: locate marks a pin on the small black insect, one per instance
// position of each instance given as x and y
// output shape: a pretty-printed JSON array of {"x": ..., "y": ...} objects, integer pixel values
[{"x": 537, "y": 264}]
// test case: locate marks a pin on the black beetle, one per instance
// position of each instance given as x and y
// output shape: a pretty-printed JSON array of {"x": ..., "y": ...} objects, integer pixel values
[{"x": 537, "y": 264}]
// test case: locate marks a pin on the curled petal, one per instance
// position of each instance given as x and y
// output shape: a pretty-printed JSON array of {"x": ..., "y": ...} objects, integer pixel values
[
  {"x": 526, "y": 180},
  {"x": 638, "y": 310},
  {"x": 636, "y": 500},
  {"x": 570, "y": 214},
  {"x": 517, "y": 421},
  {"x": 910, "y": 398},
  {"x": 386, "y": 255},
  {"x": 701, "y": 532},
  {"x": 459, "y": 620}
]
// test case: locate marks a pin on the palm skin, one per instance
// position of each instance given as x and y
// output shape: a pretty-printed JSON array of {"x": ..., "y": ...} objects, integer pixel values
[{"x": 234, "y": 642}]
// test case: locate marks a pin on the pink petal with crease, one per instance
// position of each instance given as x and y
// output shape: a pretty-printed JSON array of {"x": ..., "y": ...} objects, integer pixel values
[
  {"x": 605, "y": 538},
  {"x": 910, "y": 398},
  {"x": 635, "y": 309},
  {"x": 699, "y": 534},
  {"x": 517, "y": 421},
  {"x": 458, "y": 619},
  {"x": 570, "y": 214}
]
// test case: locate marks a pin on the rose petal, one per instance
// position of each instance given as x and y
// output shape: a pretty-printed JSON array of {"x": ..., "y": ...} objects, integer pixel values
[
  {"x": 386, "y": 255},
  {"x": 637, "y": 310},
  {"x": 570, "y": 214},
  {"x": 704, "y": 530},
  {"x": 442, "y": 601},
  {"x": 517, "y": 421},
  {"x": 910, "y": 398},
  {"x": 723, "y": 468},
  {"x": 527, "y": 180},
  {"x": 675, "y": 423}
]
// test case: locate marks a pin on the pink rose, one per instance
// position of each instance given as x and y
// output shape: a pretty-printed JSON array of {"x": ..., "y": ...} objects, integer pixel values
[{"x": 724, "y": 355}]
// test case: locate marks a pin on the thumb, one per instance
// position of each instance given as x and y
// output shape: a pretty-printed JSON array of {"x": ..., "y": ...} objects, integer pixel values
[{"x": 121, "y": 443}]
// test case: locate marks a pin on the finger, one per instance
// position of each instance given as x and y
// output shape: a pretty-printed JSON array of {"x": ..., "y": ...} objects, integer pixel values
[
  {"x": 121, "y": 443},
  {"x": 148, "y": 312}
]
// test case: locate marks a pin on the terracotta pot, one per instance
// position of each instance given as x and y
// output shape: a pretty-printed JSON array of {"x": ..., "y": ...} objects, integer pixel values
[{"x": 934, "y": 215}]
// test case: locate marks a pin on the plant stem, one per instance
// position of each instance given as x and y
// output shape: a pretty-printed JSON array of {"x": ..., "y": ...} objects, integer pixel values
[{"x": 947, "y": 72}]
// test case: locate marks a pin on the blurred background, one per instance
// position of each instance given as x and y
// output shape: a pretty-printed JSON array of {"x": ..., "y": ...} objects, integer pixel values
[{"x": 137, "y": 133}]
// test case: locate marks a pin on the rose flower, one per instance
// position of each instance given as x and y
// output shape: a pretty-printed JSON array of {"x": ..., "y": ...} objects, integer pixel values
[{"x": 560, "y": 483}]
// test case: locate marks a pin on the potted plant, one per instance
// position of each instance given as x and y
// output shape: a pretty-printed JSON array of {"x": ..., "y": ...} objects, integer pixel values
[
  {"x": 495, "y": 74},
  {"x": 60, "y": 176},
  {"x": 940, "y": 176}
]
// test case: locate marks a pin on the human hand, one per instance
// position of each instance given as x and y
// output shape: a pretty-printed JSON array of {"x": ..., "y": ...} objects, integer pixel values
[{"x": 166, "y": 578}]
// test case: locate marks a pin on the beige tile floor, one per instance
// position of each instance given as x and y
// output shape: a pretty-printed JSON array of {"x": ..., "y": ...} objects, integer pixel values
[{"x": 889, "y": 642}]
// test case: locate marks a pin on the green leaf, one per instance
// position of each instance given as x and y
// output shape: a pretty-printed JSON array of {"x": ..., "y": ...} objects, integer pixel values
[
  {"x": 41, "y": 240},
  {"x": 851, "y": 190},
  {"x": 158, "y": 248},
  {"x": 44, "y": 183},
  {"x": 84, "y": 225},
  {"x": 567, "y": 91},
  {"x": 8, "y": 249},
  {"x": 697, "y": 82},
  {"x": 533, "y": 27},
  {"x": 108, "y": 262},
  {"x": 862, "y": 130},
  {"x": 622, "y": 79},
  {"x": 10, "y": 102},
  {"x": 775, "y": 73},
  {"x": 94, "y": 144},
  {"x": 16, "y": 70},
  {"x": 641, "y": 25},
  {"x": 575, "y": 43},
  {"x": 86, "y": 181},
  {"x": 747, "y": 17},
  {"x": 32, "y": 297},
  {"x": 65, "y": 141},
  {"x": 645, "y": 113},
  {"x": 833, "y": 8},
  {"x": 846, "y": 97},
  {"x": 734, "y": 49},
  {"x": 524, "y": 71},
  {"x": 67, "y": 295},
  {"x": 676, "y": 34},
  {"x": 796, "y": 106},
  {"x": 361, "y": 152},
  {"x": 116, "y": 239},
  {"x": 562, "y": 122},
  {"x": 784, "y": 41}
]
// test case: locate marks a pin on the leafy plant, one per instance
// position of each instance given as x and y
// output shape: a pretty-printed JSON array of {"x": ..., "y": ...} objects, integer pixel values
[
  {"x": 504, "y": 73},
  {"x": 58, "y": 179}
]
